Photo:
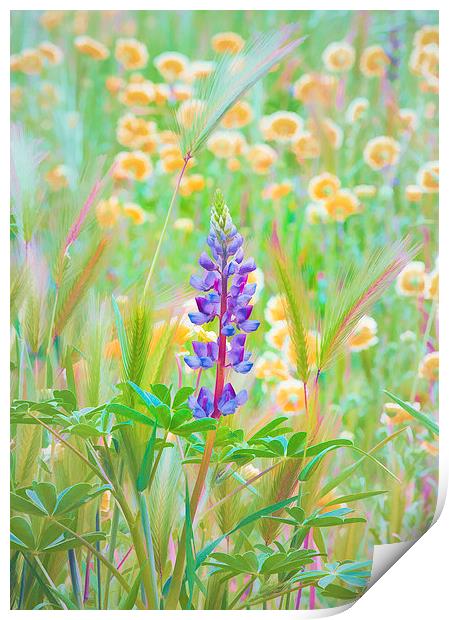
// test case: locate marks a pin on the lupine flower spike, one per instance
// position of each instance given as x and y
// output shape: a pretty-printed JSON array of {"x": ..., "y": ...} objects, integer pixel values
[{"x": 227, "y": 297}]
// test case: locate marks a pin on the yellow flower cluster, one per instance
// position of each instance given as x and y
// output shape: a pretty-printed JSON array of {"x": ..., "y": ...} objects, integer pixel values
[
  {"x": 110, "y": 210},
  {"x": 32, "y": 61},
  {"x": 424, "y": 59},
  {"x": 338, "y": 203},
  {"x": 413, "y": 281}
]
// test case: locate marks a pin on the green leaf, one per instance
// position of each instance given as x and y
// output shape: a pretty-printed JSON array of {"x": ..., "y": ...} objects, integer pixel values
[
  {"x": 310, "y": 468},
  {"x": 147, "y": 462},
  {"x": 67, "y": 399},
  {"x": 354, "y": 497},
  {"x": 130, "y": 599},
  {"x": 348, "y": 471},
  {"x": 296, "y": 443},
  {"x": 46, "y": 493},
  {"x": 268, "y": 510},
  {"x": 76, "y": 495},
  {"x": 334, "y": 591},
  {"x": 162, "y": 392},
  {"x": 270, "y": 430},
  {"x": 22, "y": 533},
  {"x": 181, "y": 396},
  {"x": 196, "y": 426},
  {"x": 147, "y": 398},
  {"x": 130, "y": 414},
  {"x": 21, "y": 504},
  {"x": 425, "y": 420},
  {"x": 190, "y": 557},
  {"x": 64, "y": 542},
  {"x": 332, "y": 443}
]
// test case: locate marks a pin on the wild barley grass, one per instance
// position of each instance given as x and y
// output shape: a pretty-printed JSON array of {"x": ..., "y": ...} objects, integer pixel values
[{"x": 238, "y": 434}]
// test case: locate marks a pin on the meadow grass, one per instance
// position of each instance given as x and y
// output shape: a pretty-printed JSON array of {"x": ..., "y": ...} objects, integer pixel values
[{"x": 236, "y": 434}]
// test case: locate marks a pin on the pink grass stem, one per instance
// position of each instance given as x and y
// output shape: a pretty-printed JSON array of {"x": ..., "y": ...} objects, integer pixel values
[
  {"x": 125, "y": 557},
  {"x": 299, "y": 594}
]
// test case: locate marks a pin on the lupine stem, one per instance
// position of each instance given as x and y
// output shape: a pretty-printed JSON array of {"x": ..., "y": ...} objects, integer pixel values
[
  {"x": 178, "y": 571},
  {"x": 164, "y": 228}
]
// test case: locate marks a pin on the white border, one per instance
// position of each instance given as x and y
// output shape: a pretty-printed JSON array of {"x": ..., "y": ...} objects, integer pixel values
[{"x": 417, "y": 584}]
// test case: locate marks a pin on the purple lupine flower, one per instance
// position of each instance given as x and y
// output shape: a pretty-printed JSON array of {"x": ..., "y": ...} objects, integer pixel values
[
  {"x": 203, "y": 406},
  {"x": 206, "y": 354},
  {"x": 237, "y": 357},
  {"x": 229, "y": 400},
  {"x": 208, "y": 309},
  {"x": 225, "y": 280}
]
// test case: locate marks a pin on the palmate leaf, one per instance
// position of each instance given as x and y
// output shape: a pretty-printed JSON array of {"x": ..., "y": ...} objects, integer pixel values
[
  {"x": 42, "y": 500},
  {"x": 354, "y": 292},
  {"x": 232, "y": 77}
]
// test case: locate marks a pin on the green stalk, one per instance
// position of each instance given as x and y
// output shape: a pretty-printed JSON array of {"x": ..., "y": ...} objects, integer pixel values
[
  {"x": 156, "y": 464},
  {"x": 154, "y": 599},
  {"x": 164, "y": 228},
  {"x": 96, "y": 553},
  {"x": 127, "y": 514},
  {"x": 423, "y": 346},
  {"x": 75, "y": 578},
  {"x": 178, "y": 571},
  {"x": 242, "y": 590},
  {"x": 112, "y": 543},
  {"x": 48, "y": 578}
]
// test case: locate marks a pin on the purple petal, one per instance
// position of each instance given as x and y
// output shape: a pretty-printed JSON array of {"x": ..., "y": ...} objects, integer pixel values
[
  {"x": 239, "y": 255},
  {"x": 242, "y": 314},
  {"x": 247, "y": 266},
  {"x": 204, "y": 305},
  {"x": 198, "y": 318},
  {"x": 193, "y": 361},
  {"x": 236, "y": 355},
  {"x": 212, "y": 350},
  {"x": 200, "y": 348},
  {"x": 243, "y": 368},
  {"x": 206, "y": 262},
  {"x": 228, "y": 330},
  {"x": 242, "y": 397},
  {"x": 250, "y": 289},
  {"x": 249, "y": 326},
  {"x": 239, "y": 340},
  {"x": 235, "y": 244}
]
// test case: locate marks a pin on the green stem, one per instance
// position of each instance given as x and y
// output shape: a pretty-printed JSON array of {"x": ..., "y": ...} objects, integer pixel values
[
  {"x": 154, "y": 599},
  {"x": 97, "y": 554},
  {"x": 52, "y": 322},
  {"x": 156, "y": 464},
  {"x": 423, "y": 347},
  {"x": 75, "y": 450},
  {"x": 240, "y": 593},
  {"x": 164, "y": 228},
  {"x": 48, "y": 578},
  {"x": 112, "y": 543},
  {"x": 75, "y": 578},
  {"x": 178, "y": 571}
]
